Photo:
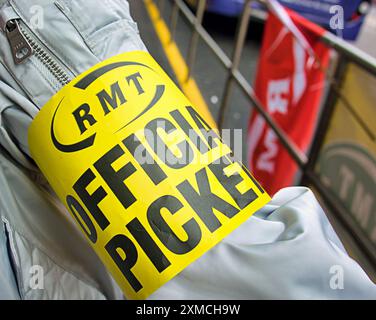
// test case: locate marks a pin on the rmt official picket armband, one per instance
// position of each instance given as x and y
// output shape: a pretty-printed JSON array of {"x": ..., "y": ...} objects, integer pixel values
[{"x": 146, "y": 178}]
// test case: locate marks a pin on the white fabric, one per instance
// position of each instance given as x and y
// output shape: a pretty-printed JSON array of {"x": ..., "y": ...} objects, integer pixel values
[{"x": 286, "y": 251}]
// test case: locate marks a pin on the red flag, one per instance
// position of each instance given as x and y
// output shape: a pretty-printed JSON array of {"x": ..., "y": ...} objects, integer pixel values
[{"x": 290, "y": 86}]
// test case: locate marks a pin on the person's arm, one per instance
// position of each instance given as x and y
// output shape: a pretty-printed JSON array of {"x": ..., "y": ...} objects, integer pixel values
[{"x": 285, "y": 251}]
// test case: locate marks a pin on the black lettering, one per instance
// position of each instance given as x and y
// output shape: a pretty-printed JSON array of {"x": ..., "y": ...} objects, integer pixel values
[
  {"x": 134, "y": 78},
  {"x": 121, "y": 242},
  {"x": 207, "y": 131},
  {"x": 231, "y": 182},
  {"x": 204, "y": 201},
  {"x": 147, "y": 244},
  {"x": 82, "y": 114},
  {"x": 88, "y": 228},
  {"x": 163, "y": 231},
  {"x": 115, "y": 179},
  {"x": 252, "y": 178},
  {"x": 91, "y": 201},
  {"x": 116, "y": 95},
  {"x": 162, "y": 150},
  {"x": 190, "y": 132},
  {"x": 150, "y": 166}
]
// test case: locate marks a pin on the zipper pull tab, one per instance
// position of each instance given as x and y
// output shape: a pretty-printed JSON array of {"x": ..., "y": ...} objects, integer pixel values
[{"x": 21, "y": 48}]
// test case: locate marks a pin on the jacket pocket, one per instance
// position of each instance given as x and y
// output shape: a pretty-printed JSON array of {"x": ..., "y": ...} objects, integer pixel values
[
  {"x": 39, "y": 277},
  {"x": 14, "y": 261},
  {"x": 106, "y": 26}
]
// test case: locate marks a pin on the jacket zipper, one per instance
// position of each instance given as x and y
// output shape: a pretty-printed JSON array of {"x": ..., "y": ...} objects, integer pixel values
[
  {"x": 12, "y": 253},
  {"x": 24, "y": 45}
]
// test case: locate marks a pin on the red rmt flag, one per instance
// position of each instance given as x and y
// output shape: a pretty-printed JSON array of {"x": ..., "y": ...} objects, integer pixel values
[{"x": 290, "y": 85}]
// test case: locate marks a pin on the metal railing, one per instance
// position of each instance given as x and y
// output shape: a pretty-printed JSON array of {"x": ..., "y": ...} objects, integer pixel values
[{"x": 346, "y": 54}]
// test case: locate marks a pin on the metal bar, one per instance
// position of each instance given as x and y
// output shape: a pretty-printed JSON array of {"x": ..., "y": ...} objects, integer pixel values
[
  {"x": 324, "y": 119},
  {"x": 311, "y": 178},
  {"x": 299, "y": 157},
  {"x": 244, "y": 85},
  {"x": 211, "y": 43},
  {"x": 293, "y": 150},
  {"x": 307, "y": 165},
  {"x": 351, "y": 52},
  {"x": 241, "y": 35},
  {"x": 335, "y": 207},
  {"x": 161, "y": 5},
  {"x": 174, "y": 20},
  {"x": 195, "y": 36}
]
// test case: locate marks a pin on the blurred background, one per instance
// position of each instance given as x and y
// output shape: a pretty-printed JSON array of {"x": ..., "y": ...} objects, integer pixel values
[{"x": 295, "y": 82}]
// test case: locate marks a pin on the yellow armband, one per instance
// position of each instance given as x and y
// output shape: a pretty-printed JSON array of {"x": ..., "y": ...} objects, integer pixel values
[{"x": 142, "y": 172}]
